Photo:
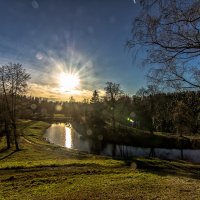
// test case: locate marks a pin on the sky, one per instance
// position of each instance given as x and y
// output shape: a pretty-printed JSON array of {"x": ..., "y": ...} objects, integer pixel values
[{"x": 85, "y": 38}]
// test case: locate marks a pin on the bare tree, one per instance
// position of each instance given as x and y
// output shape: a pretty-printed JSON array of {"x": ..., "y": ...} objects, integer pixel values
[
  {"x": 14, "y": 83},
  {"x": 169, "y": 31},
  {"x": 113, "y": 92},
  {"x": 4, "y": 120}
]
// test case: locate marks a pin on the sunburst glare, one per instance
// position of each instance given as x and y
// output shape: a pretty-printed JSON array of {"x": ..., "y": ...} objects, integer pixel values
[
  {"x": 69, "y": 81},
  {"x": 66, "y": 75}
]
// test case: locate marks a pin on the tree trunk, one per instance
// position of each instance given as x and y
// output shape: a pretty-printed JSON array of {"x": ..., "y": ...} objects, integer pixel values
[
  {"x": 114, "y": 150},
  {"x": 152, "y": 152},
  {"x": 15, "y": 136},
  {"x": 181, "y": 148},
  {"x": 7, "y": 135},
  {"x": 113, "y": 121},
  {"x": 182, "y": 157}
]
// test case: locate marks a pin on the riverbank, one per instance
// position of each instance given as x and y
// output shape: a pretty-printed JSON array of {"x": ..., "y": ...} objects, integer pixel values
[
  {"x": 130, "y": 136},
  {"x": 44, "y": 171}
]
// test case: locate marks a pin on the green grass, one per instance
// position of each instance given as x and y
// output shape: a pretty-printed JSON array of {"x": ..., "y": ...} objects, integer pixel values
[
  {"x": 44, "y": 171},
  {"x": 59, "y": 115}
]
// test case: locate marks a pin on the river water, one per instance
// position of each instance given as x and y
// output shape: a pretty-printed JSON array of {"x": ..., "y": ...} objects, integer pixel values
[{"x": 63, "y": 135}]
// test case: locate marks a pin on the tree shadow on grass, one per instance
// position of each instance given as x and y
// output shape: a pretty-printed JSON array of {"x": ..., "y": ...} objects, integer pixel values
[
  {"x": 166, "y": 167},
  {"x": 7, "y": 155},
  {"x": 3, "y": 149}
]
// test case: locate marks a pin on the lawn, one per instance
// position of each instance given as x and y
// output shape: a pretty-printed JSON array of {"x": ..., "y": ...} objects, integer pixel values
[{"x": 44, "y": 171}]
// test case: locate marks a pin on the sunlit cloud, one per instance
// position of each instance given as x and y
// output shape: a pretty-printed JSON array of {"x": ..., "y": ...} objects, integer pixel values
[{"x": 46, "y": 91}]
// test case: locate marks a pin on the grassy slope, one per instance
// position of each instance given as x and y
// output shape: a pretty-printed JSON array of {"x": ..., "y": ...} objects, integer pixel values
[{"x": 44, "y": 171}]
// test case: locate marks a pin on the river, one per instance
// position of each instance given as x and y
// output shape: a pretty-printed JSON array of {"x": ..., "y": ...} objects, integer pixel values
[{"x": 63, "y": 135}]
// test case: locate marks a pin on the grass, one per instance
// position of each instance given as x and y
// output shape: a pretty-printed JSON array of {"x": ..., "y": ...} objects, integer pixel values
[
  {"x": 59, "y": 115},
  {"x": 44, "y": 171}
]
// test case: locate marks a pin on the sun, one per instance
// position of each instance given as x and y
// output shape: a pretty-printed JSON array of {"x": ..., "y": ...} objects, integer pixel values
[{"x": 69, "y": 82}]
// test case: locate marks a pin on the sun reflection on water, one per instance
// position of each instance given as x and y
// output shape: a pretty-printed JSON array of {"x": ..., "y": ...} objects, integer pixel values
[{"x": 68, "y": 137}]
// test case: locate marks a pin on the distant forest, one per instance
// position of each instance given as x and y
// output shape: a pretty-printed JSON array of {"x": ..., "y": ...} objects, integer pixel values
[{"x": 177, "y": 113}]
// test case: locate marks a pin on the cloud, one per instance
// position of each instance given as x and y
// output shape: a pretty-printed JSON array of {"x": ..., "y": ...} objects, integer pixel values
[{"x": 52, "y": 93}]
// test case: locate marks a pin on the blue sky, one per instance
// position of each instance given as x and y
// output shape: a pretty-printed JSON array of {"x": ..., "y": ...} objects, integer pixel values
[{"x": 86, "y": 37}]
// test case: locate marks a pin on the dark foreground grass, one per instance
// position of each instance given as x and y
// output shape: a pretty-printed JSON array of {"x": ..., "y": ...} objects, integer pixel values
[{"x": 44, "y": 171}]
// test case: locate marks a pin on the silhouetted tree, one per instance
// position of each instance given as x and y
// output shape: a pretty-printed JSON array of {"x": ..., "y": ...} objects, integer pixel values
[
  {"x": 14, "y": 83},
  {"x": 95, "y": 97},
  {"x": 181, "y": 117},
  {"x": 146, "y": 107},
  {"x": 113, "y": 92},
  {"x": 71, "y": 99}
]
